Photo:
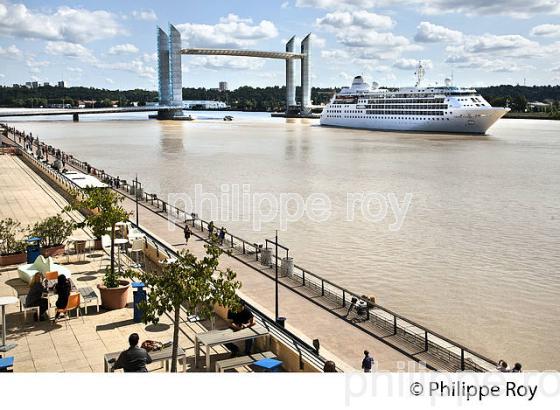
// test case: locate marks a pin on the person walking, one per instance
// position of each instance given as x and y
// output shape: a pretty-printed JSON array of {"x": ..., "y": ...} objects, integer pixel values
[
  {"x": 210, "y": 228},
  {"x": 367, "y": 362},
  {"x": 222, "y": 235},
  {"x": 187, "y": 233}
]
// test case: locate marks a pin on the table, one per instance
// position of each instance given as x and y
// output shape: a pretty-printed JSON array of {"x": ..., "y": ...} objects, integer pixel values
[
  {"x": 6, "y": 300},
  {"x": 219, "y": 337},
  {"x": 163, "y": 355}
]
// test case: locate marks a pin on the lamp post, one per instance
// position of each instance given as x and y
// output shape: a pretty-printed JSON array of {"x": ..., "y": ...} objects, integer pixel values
[
  {"x": 136, "y": 197},
  {"x": 276, "y": 277}
]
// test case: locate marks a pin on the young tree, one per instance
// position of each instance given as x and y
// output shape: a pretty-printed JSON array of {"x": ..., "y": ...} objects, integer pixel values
[
  {"x": 103, "y": 211},
  {"x": 196, "y": 284}
]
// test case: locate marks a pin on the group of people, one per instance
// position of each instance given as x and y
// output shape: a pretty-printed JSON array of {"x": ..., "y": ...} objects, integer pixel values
[
  {"x": 221, "y": 233},
  {"x": 37, "y": 290},
  {"x": 504, "y": 368}
]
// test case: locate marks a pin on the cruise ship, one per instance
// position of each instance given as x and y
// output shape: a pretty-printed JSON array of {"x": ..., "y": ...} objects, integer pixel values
[{"x": 432, "y": 109}]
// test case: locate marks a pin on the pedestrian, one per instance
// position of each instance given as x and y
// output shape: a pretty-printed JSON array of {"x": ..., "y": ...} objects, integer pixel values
[
  {"x": 134, "y": 359},
  {"x": 187, "y": 233},
  {"x": 329, "y": 367},
  {"x": 502, "y": 366},
  {"x": 222, "y": 235},
  {"x": 516, "y": 368},
  {"x": 210, "y": 228},
  {"x": 367, "y": 362}
]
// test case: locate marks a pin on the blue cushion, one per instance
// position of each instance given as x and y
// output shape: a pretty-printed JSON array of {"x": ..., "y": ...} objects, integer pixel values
[
  {"x": 268, "y": 363},
  {"x": 6, "y": 362}
]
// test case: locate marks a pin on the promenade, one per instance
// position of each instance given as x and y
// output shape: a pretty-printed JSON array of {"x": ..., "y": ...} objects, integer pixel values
[{"x": 340, "y": 340}]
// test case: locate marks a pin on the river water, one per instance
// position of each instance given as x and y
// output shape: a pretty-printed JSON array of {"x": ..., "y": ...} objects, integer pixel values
[{"x": 477, "y": 257}]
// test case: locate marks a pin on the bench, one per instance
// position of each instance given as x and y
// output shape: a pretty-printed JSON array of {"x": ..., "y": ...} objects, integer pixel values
[
  {"x": 6, "y": 364},
  {"x": 234, "y": 362},
  {"x": 24, "y": 308},
  {"x": 88, "y": 295}
]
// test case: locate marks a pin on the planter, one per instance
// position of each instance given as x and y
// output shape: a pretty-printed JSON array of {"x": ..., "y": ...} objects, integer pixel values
[
  {"x": 13, "y": 259},
  {"x": 56, "y": 250},
  {"x": 114, "y": 298}
]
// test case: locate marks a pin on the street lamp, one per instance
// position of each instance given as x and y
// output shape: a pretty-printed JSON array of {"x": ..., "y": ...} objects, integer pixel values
[
  {"x": 136, "y": 197},
  {"x": 276, "y": 277}
]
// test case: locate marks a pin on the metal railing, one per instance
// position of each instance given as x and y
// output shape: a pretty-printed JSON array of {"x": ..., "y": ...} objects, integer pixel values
[{"x": 407, "y": 336}]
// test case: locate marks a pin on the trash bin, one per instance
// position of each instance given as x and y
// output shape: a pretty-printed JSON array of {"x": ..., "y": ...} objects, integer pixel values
[
  {"x": 33, "y": 249},
  {"x": 287, "y": 266},
  {"x": 281, "y": 321},
  {"x": 139, "y": 295},
  {"x": 266, "y": 256}
]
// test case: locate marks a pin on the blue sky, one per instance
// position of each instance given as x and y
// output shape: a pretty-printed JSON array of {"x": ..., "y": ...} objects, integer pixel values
[{"x": 111, "y": 44}]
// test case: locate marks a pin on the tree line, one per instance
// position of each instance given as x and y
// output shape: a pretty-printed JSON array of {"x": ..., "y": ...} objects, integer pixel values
[{"x": 244, "y": 98}]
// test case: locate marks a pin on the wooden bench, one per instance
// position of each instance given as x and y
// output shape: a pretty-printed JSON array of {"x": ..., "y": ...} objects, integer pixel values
[
  {"x": 163, "y": 356},
  {"x": 23, "y": 308},
  {"x": 234, "y": 362},
  {"x": 88, "y": 295}
]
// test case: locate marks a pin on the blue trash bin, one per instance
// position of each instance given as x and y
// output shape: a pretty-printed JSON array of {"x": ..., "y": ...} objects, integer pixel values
[
  {"x": 33, "y": 248},
  {"x": 139, "y": 295}
]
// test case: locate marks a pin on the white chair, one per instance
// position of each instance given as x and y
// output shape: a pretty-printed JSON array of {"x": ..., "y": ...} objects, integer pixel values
[
  {"x": 106, "y": 245},
  {"x": 137, "y": 249}
]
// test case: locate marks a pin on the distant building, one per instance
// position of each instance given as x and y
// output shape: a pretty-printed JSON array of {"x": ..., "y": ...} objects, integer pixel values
[
  {"x": 538, "y": 106},
  {"x": 223, "y": 86},
  {"x": 28, "y": 84},
  {"x": 34, "y": 84},
  {"x": 46, "y": 84},
  {"x": 62, "y": 84},
  {"x": 204, "y": 105}
]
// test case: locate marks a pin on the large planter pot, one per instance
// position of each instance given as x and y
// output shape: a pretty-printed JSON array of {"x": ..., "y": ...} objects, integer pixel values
[
  {"x": 114, "y": 298},
  {"x": 56, "y": 250},
  {"x": 13, "y": 259}
]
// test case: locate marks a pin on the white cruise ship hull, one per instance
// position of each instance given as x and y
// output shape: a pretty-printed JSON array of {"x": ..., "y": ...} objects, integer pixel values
[{"x": 469, "y": 121}]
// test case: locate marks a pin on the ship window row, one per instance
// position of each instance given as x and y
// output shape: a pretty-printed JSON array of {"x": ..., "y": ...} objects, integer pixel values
[
  {"x": 387, "y": 118},
  {"x": 391, "y": 112},
  {"x": 410, "y": 107},
  {"x": 406, "y": 100}
]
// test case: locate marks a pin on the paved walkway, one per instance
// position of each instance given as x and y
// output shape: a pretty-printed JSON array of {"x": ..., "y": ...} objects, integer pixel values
[{"x": 339, "y": 340}]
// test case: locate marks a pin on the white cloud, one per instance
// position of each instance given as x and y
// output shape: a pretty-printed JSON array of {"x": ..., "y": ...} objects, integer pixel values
[
  {"x": 10, "y": 51},
  {"x": 137, "y": 66},
  {"x": 74, "y": 69},
  {"x": 123, "y": 49},
  {"x": 65, "y": 24},
  {"x": 226, "y": 63},
  {"x": 335, "y": 54},
  {"x": 35, "y": 66},
  {"x": 514, "y": 8},
  {"x": 371, "y": 39},
  {"x": 490, "y": 43},
  {"x": 356, "y": 19},
  {"x": 317, "y": 42},
  {"x": 66, "y": 49},
  {"x": 146, "y": 15},
  {"x": 432, "y": 33},
  {"x": 110, "y": 80},
  {"x": 546, "y": 30},
  {"x": 285, "y": 5},
  {"x": 232, "y": 32},
  {"x": 411, "y": 64}
]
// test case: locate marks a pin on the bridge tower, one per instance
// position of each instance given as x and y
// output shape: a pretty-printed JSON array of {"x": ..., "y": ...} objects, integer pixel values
[
  {"x": 290, "y": 73},
  {"x": 305, "y": 84},
  {"x": 170, "y": 76}
]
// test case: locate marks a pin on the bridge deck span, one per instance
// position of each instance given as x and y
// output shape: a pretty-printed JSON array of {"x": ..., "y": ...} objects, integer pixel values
[{"x": 80, "y": 111}]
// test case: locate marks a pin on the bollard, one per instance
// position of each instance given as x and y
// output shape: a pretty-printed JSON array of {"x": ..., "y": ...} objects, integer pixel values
[
  {"x": 287, "y": 266},
  {"x": 266, "y": 256}
]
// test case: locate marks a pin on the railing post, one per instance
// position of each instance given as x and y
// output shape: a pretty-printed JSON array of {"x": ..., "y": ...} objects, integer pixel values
[
  {"x": 322, "y": 287},
  {"x": 425, "y": 340},
  {"x": 394, "y": 325},
  {"x": 303, "y": 277},
  {"x": 462, "y": 360},
  {"x": 243, "y": 247},
  {"x": 231, "y": 236},
  {"x": 343, "y": 298}
]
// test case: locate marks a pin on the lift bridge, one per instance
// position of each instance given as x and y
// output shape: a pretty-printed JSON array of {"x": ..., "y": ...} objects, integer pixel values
[{"x": 170, "y": 79}]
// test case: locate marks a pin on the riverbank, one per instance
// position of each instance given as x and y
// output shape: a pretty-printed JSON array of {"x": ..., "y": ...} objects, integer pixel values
[{"x": 331, "y": 301}]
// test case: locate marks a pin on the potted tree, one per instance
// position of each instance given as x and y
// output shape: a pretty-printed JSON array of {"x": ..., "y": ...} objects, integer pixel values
[
  {"x": 12, "y": 249},
  {"x": 194, "y": 284},
  {"x": 53, "y": 231},
  {"x": 103, "y": 213}
]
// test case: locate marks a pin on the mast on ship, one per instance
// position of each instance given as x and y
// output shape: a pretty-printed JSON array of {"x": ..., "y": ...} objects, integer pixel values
[{"x": 420, "y": 71}]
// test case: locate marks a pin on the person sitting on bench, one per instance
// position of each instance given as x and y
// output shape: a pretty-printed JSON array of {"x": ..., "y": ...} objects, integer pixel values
[
  {"x": 134, "y": 359},
  {"x": 35, "y": 296},
  {"x": 241, "y": 319}
]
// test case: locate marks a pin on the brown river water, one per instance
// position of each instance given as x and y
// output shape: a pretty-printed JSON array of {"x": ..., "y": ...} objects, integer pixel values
[{"x": 477, "y": 255}]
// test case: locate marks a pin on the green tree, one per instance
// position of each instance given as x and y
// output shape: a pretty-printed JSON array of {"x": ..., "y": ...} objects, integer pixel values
[
  {"x": 9, "y": 230},
  {"x": 102, "y": 210},
  {"x": 196, "y": 284}
]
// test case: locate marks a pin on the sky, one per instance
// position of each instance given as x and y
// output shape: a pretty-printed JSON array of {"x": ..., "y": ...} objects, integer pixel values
[{"x": 112, "y": 44}]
